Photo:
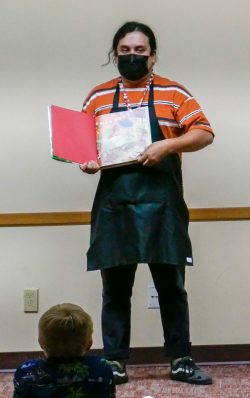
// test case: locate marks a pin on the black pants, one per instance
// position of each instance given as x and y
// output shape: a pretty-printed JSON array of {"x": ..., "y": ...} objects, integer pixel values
[{"x": 169, "y": 282}]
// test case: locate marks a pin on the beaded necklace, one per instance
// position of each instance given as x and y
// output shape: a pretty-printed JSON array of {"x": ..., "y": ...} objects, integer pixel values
[{"x": 125, "y": 95}]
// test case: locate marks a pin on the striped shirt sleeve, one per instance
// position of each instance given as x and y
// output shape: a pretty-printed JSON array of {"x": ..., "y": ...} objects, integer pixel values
[
  {"x": 89, "y": 103},
  {"x": 189, "y": 114}
]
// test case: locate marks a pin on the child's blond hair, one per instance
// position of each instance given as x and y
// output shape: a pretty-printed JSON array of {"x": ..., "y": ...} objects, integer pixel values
[{"x": 65, "y": 330}]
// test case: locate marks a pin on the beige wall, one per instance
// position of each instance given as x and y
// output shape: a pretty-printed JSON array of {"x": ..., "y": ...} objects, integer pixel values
[{"x": 51, "y": 52}]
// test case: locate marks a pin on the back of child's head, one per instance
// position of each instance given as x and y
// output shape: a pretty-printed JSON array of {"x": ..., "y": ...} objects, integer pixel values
[{"x": 65, "y": 330}]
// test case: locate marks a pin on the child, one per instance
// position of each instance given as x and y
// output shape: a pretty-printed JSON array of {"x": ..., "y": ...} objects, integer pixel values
[{"x": 65, "y": 335}]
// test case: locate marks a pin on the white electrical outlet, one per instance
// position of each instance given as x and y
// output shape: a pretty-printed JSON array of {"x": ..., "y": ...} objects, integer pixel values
[
  {"x": 30, "y": 300},
  {"x": 152, "y": 297}
]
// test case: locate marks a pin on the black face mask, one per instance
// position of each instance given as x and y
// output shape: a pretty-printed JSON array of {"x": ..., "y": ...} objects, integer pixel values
[{"x": 132, "y": 66}]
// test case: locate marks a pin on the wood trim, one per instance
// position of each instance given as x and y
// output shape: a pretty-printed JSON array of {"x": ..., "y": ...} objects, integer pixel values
[
  {"x": 220, "y": 214},
  {"x": 84, "y": 217},
  {"x": 44, "y": 219},
  {"x": 150, "y": 355}
]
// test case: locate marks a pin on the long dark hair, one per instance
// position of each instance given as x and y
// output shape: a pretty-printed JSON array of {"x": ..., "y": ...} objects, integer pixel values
[{"x": 130, "y": 27}]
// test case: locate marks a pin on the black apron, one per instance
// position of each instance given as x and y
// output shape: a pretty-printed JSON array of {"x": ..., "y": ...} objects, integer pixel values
[{"x": 139, "y": 214}]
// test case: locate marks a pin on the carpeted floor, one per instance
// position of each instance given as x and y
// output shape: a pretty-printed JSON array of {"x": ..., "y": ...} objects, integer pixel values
[{"x": 230, "y": 381}]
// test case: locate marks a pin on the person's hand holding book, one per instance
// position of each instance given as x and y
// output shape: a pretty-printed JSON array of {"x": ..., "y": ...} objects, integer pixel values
[{"x": 90, "y": 167}]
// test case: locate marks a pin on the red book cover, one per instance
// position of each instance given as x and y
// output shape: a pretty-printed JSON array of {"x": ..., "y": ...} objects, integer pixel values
[{"x": 72, "y": 135}]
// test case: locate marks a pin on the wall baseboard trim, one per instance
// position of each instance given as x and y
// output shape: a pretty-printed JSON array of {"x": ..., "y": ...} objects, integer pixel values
[
  {"x": 150, "y": 355},
  {"x": 84, "y": 217},
  {"x": 45, "y": 219}
]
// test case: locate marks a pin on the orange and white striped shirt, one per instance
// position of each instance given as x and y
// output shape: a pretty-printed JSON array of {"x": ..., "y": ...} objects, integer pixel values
[{"x": 176, "y": 109}]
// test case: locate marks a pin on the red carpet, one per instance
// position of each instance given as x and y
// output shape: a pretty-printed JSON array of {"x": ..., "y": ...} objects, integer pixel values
[{"x": 230, "y": 381}]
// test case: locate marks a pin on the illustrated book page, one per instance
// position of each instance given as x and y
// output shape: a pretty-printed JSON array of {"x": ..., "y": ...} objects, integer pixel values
[{"x": 122, "y": 136}]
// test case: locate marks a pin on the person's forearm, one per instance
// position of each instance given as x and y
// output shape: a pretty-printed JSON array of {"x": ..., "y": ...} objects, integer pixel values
[{"x": 191, "y": 141}]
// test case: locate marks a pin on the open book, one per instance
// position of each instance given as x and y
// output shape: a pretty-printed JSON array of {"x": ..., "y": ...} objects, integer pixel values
[{"x": 113, "y": 139}]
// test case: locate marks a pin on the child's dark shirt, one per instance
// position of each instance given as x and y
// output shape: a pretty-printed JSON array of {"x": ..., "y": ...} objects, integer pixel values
[{"x": 81, "y": 377}]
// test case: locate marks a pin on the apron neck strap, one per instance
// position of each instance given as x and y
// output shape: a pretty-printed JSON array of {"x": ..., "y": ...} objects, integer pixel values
[{"x": 116, "y": 99}]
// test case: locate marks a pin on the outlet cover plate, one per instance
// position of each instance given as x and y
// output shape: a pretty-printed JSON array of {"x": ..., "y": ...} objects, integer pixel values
[{"x": 30, "y": 296}]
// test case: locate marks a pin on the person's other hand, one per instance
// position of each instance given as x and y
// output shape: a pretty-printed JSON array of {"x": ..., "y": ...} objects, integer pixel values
[
  {"x": 154, "y": 153},
  {"x": 90, "y": 167}
]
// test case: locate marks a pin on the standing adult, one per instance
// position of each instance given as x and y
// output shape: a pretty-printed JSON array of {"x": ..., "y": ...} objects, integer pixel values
[{"x": 139, "y": 214}]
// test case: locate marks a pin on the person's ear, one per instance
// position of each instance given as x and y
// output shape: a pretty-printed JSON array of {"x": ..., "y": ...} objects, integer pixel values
[
  {"x": 41, "y": 342},
  {"x": 153, "y": 57},
  {"x": 42, "y": 345},
  {"x": 89, "y": 344}
]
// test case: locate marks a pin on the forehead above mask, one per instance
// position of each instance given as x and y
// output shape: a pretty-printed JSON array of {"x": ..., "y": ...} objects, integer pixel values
[{"x": 134, "y": 41}]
